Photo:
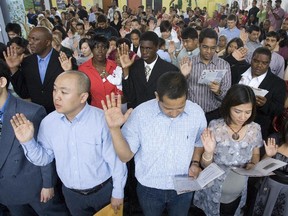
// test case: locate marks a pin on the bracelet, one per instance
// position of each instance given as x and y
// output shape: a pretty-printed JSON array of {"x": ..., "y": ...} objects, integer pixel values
[
  {"x": 195, "y": 162},
  {"x": 205, "y": 159},
  {"x": 250, "y": 162}
]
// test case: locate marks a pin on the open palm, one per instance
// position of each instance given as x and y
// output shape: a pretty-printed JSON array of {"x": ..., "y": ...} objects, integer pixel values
[
  {"x": 208, "y": 141},
  {"x": 23, "y": 128},
  {"x": 12, "y": 58},
  {"x": 270, "y": 147},
  {"x": 113, "y": 114},
  {"x": 186, "y": 66},
  {"x": 123, "y": 53}
]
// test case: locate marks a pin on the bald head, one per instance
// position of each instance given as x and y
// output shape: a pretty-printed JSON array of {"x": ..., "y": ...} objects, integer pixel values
[
  {"x": 83, "y": 81},
  {"x": 44, "y": 31}
]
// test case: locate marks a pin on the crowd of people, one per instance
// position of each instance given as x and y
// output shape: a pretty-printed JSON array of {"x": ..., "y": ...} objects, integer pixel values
[{"x": 97, "y": 107}]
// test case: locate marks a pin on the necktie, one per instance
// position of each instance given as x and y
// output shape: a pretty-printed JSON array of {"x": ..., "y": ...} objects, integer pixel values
[
  {"x": 147, "y": 72},
  {"x": 1, "y": 120},
  {"x": 42, "y": 69}
]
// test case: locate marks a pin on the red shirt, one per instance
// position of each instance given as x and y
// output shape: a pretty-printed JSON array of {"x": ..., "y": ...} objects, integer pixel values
[{"x": 99, "y": 88}]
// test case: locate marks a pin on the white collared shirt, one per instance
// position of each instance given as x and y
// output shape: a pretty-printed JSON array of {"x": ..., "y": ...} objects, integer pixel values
[
  {"x": 248, "y": 80},
  {"x": 151, "y": 65}
]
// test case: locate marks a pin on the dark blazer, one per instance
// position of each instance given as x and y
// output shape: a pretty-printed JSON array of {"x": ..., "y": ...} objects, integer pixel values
[
  {"x": 136, "y": 89},
  {"x": 27, "y": 82},
  {"x": 275, "y": 101},
  {"x": 21, "y": 181}
]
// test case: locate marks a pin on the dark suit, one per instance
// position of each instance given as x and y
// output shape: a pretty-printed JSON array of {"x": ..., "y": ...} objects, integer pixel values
[
  {"x": 21, "y": 181},
  {"x": 136, "y": 89},
  {"x": 274, "y": 104},
  {"x": 27, "y": 82}
]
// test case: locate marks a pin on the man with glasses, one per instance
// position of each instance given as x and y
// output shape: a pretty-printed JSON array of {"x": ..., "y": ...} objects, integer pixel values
[{"x": 207, "y": 96}]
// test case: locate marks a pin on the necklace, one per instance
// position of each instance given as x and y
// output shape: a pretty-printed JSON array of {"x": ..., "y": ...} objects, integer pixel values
[
  {"x": 235, "y": 135},
  {"x": 103, "y": 74}
]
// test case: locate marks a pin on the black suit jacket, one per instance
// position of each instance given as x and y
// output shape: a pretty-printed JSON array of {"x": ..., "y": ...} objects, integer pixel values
[
  {"x": 275, "y": 101},
  {"x": 136, "y": 89},
  {"x": 27, "y": 82},
  {"x": 21, "y": 181}
]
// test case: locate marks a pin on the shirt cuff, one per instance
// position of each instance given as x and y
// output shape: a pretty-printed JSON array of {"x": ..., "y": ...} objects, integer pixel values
[
  {"x": 118, "y": 193},
  {"x": 29, "y": 145}
]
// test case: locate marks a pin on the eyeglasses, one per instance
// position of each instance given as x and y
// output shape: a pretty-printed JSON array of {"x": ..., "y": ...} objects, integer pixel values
[{"x": 204, "y": 47}]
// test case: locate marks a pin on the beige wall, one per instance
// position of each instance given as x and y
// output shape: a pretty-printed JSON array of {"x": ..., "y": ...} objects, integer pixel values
[{"x": 210, "y": 4}]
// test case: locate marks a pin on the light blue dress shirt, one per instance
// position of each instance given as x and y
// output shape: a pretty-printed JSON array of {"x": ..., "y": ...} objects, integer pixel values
[
  {"x": 230, "y": 33},
  {"x": 83, "y": 150},
  {"x": 43, "y": 64},
  {"x": 163, "y": 146}
]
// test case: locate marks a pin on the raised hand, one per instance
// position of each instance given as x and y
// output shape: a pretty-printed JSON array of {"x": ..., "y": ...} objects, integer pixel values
[
  {"x": 244, "y": 36},
  {"x": 270, "y": 147},
  {"x": 113, "y": 114},
  {"x": 240, "y": 54},
  {"x": 66, "y": 63},
  {"x": 23, "y": 128},
  {"x": 172, "y": 47},
  {"x": 208, "y": 141},
  {"x": 122, "y": 33},
  {"x": 12, "y": 59},
  {"x": 186, "y": 66},
  {"x": 123, "y": 52}
]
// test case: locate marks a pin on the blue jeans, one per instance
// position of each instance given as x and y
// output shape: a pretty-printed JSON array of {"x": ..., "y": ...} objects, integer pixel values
[{"x": 154, "y": 201}]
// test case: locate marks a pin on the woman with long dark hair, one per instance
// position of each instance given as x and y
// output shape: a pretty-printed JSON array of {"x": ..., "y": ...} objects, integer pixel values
[{"x": 234, "y": 141}]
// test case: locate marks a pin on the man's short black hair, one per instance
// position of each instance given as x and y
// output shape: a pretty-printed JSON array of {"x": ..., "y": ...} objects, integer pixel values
[
  {"x": 208, "y": 33},
  {"x": 150, "y": 36},
  {"x": 173, "y": 85},
  {"x": 253, "y": 28},
  {"x": 189, "y": 32},
  {"x": 273, "y": 34},
  {"x": 263, "y": 51},
  {"x": 101, "y": 18}
]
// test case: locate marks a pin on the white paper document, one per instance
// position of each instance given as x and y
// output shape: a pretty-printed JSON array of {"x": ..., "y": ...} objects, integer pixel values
[
  {"x": 208, "y": 76},
  {"x": 185, "y": 183},
  {"x": 263, "y": 168},
  {"x": 259, "y": 92}
]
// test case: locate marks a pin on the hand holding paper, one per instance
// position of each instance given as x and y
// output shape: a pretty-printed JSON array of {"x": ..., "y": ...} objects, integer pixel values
[{"x": 209, "y": 76}]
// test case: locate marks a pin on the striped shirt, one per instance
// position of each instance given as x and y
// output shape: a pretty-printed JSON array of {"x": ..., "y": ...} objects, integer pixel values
[{"x": 200, "y": 93}]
